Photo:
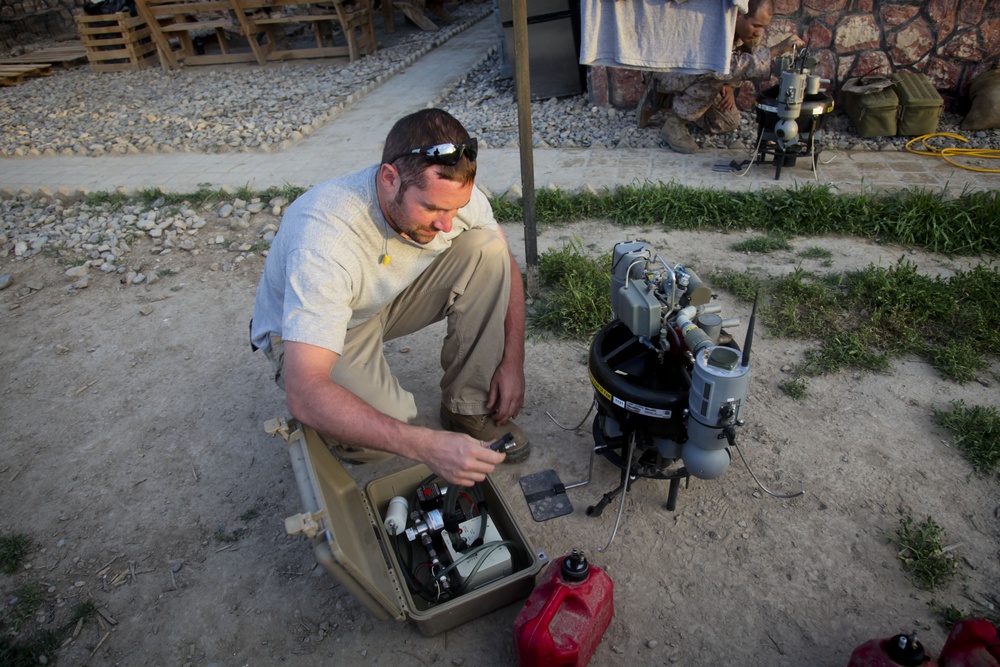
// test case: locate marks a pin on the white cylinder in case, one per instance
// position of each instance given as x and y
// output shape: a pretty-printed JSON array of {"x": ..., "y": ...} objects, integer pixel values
[{"x": 395, "y": 516}]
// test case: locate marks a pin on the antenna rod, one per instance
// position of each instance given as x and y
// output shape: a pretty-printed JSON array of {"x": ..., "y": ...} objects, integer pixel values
[{"x": 749, "y": 340}]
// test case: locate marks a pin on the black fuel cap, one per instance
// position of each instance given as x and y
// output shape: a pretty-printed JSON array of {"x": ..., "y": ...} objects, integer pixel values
[
  {"x": 906, "y": 650},
  {"x": 575, "y": 567}
]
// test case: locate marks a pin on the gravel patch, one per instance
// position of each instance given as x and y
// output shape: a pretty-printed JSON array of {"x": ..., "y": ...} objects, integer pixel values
[
  {"x": 137, "y": 243},
  {"x": 487, "y": 105},
  {"x": 202, "y": 109},
  {"x": 265, "y": 109}
]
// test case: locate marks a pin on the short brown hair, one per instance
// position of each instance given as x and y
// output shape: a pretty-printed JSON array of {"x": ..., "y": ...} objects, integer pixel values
[
  {"x": 422, "y": 129},
  {"x": 754, "y": 5}
]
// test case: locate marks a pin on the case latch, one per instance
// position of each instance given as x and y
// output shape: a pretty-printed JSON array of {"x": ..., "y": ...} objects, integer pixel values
[
  {"x": 305, "y": 523},
  {"x": 277, "y": 426}
]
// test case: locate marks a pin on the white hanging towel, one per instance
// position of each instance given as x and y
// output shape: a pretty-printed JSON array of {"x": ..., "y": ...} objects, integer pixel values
[{"x": 690, "y": 36}]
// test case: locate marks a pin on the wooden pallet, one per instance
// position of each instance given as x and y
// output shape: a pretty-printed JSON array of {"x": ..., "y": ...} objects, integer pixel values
[
  {"x": 116, "y": 42},
  {"x": 11, "y": 75},
  {"x": 63, "y": 56}
]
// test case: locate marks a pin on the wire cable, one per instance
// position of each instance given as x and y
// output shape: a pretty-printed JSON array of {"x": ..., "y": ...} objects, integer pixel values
[
  {"x": 628, "y": 472},
  {"x": 949, "y": 152},
  {"x": 571, "y": 428},
  {"x": 752, "y": 157},
  {"x": 731, "y": 438}
]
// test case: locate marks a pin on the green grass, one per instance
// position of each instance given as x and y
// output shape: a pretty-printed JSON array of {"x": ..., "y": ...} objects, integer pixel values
[
  {"x": 579, "y": 301},
  {"x": 744, "y": 286},
  {"x": 113, "y": 200},
  {"x": 795, "y": 388},
  {"x": 922, "y": 552},
  {"x": 28, "y": 651},
  {"x": 222, "y": 535},
  {"x": 857, "y": 350},
  {"x": 984, "y": 605},
  {"x": 245, "y": 192},
  {"x": 236, "y": 534},
  {"x": 288, "y": 192},
  {"x": 250, "y": 515},
  {"x": 28, "y": 599},
  {"x": 815, "y": 253},
  {"x": 968, "y": 223},
  {"x": 977, "y": 433},
  {"x": 763, "y": 244},
  {"x": 866, "y": 319},
  {"x": 13, "y": 550},
  {"x": 947, "y": 615},
  {"x": 203, "y": 195},
  {"x": 799, "y": 305}
]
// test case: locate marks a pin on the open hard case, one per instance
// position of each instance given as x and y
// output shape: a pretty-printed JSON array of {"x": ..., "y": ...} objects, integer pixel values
[{"x": 350, "y": 541}]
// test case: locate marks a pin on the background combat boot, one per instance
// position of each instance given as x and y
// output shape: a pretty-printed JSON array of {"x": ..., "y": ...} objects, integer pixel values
[{"x": 675, "y": 133}]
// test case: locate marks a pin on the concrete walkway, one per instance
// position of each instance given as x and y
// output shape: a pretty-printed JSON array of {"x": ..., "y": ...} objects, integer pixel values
[{"x": 354, "y": 139}]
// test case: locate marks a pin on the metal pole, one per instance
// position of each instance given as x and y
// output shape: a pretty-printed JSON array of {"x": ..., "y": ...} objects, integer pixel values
[{"x": 522, "y": 78}]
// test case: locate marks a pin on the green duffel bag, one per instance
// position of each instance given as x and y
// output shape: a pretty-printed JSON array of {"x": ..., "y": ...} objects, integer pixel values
[{"x": 872, "y": 106}]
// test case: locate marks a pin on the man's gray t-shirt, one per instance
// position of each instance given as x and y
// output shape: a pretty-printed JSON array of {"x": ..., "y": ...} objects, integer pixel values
[{"x": 323, "y": 274}]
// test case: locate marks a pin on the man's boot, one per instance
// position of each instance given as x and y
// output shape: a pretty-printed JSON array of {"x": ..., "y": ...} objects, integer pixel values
[
  {"x": 675, "y": 133},
  {"x": 482, "y": 428}
]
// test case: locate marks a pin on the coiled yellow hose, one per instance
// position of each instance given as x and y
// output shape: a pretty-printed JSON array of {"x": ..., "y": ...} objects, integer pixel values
[{"x": 952, "y": 151}]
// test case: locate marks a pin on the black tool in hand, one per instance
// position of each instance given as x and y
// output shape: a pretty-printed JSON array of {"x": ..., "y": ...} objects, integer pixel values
[{"x": 503, "y": 444}]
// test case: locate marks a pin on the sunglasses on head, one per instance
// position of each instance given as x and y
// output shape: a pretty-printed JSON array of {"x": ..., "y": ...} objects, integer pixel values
[{"x": 447, "y": 154}]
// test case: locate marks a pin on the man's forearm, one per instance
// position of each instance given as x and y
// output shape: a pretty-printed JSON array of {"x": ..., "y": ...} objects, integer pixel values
[
  {"x": 513, "y": 324},
  {"x": 341, "y": 415},
  {"x": 754, "y": 66}
]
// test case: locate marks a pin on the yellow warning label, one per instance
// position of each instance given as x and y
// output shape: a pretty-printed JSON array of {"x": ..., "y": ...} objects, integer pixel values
[{"x": 601, "y": 390}]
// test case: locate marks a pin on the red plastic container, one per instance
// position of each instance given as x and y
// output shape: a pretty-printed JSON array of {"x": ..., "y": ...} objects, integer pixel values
[
  {"x": 564, "y": 619},
  {"x": 901, "y": 650},
  {"x": 973, "y": 642}
]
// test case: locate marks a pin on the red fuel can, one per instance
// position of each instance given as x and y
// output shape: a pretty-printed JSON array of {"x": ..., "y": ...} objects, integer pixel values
[
  {"x": 898, "y": 651},
  {"x": 973, "y": 642},
  {"x": 564, "y": 619}
]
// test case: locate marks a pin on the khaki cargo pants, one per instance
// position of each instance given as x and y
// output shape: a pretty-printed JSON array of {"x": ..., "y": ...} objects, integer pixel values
[{"x": 469, "y": 285}]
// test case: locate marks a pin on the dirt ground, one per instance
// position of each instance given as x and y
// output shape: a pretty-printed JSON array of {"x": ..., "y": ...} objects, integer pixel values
[{"x": 135, "y": 457}]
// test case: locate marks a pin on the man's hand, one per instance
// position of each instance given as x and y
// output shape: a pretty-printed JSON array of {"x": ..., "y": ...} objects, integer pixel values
[
  {"x": 507, "y": 384},
  {"x": 786, "y": 45},
  {"x": 314, "y": 399},
  {"x": 506, "y": 392},
  {"x": 727, "y": 100},
  {"x": 461, "y": 459}
]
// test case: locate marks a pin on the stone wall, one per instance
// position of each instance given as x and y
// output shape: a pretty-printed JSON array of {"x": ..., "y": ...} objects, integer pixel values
[
  {"x": 28, "y": 21},
  {"x": 949, "y": 40}
]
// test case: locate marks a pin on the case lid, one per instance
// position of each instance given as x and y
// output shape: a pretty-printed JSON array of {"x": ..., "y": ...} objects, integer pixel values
[
  {"x": 346, "y": 528},
  {"x": 914, "y": 89},
  {"x": 884, "y": 98}
]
